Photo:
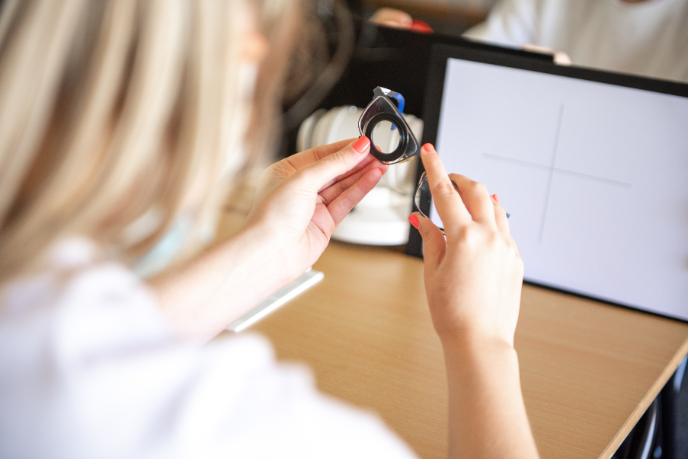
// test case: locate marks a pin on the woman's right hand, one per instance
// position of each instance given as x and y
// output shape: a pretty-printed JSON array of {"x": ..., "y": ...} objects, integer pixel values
[
  {"x": 473, "y": 278},
  {"x": 473, "y": 281}
]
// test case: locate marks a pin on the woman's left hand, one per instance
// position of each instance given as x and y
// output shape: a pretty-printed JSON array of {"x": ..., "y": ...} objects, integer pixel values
[
  {"x": 302, "y": 199},
  {"x": 299, "y": 203}
]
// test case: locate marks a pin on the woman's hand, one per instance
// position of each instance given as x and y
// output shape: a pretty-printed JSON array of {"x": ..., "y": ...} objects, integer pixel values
[
  {"x": 473, "y": 283},
  {"x": 473, "y": 278},
  {"x": 302, "y": 199}
]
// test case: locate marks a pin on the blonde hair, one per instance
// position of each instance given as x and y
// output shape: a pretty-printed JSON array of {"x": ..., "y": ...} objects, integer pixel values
[{"x": 111, "y": 108}]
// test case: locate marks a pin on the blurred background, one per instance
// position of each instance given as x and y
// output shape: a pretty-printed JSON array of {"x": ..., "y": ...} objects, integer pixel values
[
  {"x": 451, "y": 17},
  {"x": 346, "y": 57}
]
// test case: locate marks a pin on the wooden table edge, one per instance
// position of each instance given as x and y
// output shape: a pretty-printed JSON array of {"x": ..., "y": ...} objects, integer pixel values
[{"x": 645, "y": 402}]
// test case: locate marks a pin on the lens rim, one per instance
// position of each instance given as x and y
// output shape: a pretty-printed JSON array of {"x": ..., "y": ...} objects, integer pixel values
[
  {"x": 419, "y": 197},
  {"x": 408, "y": 146},
  {"x": 403, "y": 137}
]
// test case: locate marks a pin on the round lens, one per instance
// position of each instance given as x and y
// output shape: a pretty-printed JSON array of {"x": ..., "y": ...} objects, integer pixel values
[
  {"x": 423, "y": 199},
  {"x": 385, "y": 137}
]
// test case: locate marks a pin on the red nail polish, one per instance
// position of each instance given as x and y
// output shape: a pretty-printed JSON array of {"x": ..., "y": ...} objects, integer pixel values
[
  {"x": 420, "y": 26},
  {"x": 429, "y": 148},
  {"x": 496, "y": 198},
  {"x": 362, "y": 144},
  {"x": 414, "y": 221}
]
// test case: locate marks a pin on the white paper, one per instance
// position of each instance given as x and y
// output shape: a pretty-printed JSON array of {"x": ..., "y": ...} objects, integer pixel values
[{"x": 595, "y": 177}]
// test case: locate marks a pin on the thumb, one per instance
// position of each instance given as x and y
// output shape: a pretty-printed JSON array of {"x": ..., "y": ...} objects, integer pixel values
[
  {"x": 318, "y": 174},
  {"x": 434, "y": 243}
]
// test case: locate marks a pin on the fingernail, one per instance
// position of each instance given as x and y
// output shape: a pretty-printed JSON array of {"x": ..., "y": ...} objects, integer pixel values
[
  {"x": 420, "y": 26},
  {"x": 361, "y": 145},
  {"x": 496, "y": 198},
  {"x": 429, "y": 148},
  {"x": 508, "y": 215},
  {"x": 414, "y": 221}
]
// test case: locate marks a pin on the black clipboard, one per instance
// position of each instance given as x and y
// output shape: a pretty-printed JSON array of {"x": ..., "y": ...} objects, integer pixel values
[{"x": 441, "y": 53}]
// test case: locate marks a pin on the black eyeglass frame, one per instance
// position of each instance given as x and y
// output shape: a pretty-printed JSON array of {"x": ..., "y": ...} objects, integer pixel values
[{"x": 383, "y": 107}]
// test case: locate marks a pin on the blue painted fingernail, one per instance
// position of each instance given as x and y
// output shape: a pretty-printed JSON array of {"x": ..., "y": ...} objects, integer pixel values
[{"x": 508, "y": 215}]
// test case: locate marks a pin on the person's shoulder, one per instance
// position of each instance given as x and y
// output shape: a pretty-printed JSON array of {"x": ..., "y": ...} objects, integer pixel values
[
  {"x": 74, "y": 278},
  {"x": 563, "y": 9},
  {"x": 539, "y": 9},
  {"x": 510, "y": 23},
  {"x": 536, "y": 9},
  {"x": 76, "y": 306},
  {"x": 91, "y": 368},
  {"x": 69, "y": 331}
]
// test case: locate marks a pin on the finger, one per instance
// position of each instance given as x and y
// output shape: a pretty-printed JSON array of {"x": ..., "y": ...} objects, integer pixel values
[
  {"x": 434, "y": 243},
  {"x": 308, "y": 157},
  {"x": 317, "y": 175},
  {"x": 391, "y": 17},
  {"x": 500, "y": 215},
  {"x": 475, "y": 197},
  {"x": 301, "y": 160},
  {"x": 368, "y": 161},
  {"x": 448, "y": 203},
  {"x": 342, "y": 205},
  {"x": 330, "y": 193},
  {"x": 292, "y": 164},
  {"x": 518, "y": 254}
]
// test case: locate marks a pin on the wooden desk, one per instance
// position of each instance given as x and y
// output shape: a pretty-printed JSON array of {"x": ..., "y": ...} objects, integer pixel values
[{"x": 588, "y": 370}]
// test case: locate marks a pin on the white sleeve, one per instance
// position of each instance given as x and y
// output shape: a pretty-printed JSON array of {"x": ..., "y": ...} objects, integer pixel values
[
  {"x": 270, "y": 410},
  {"x": 89, "y": 370},
  {"x": 510, "y": 23}
]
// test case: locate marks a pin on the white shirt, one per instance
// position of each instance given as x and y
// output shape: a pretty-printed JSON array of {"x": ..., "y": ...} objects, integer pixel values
[
  {"x": 88, "y": 369},
  {"x": 649, "y": 38}
]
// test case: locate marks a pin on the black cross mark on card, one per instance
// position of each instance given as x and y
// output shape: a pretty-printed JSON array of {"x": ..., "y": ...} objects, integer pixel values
[{"x": 552, "y": 169}]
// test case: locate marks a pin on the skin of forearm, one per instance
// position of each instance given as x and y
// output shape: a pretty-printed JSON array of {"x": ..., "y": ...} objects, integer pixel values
[
  {"x": 487, "y": 417},
  {"x": 202, "y": 298}
]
